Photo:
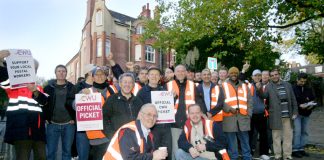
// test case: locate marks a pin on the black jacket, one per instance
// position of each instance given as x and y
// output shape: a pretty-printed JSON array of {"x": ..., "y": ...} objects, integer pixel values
[
  {"x": 303, "y": 95},
  {"x": 181, "y": 115},
  {"x": 49, "y": 101},
  {"x": 118, "y": 111},
  {"x": 145, "y": 93},
  {"x": 129, "y": 147},
  {"x": 220, "y": 102}
]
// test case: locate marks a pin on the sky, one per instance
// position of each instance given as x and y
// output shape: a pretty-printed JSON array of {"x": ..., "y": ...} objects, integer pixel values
[{"x": 52, "y": 29}]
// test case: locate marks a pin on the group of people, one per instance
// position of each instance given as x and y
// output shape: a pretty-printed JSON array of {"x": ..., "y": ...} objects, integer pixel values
[{"x": 213, "y": 110}]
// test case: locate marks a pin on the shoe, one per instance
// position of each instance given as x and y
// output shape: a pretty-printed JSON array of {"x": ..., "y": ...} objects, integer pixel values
[
  {"x": 264, "y": 157},
  {"x": 278, "y": 158},
  {"x": 297, "y": 154},
  {"x": 288, "y": 158},
  {"x": 303, "y": 153}
]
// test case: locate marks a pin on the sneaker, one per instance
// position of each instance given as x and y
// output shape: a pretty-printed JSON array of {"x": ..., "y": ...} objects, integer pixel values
[
  {"x": 288, "y": 157},
  {"x": 303, "y": 153},
  {"x": 264, "y": 157},
  {"x": 297, "y": 154}
]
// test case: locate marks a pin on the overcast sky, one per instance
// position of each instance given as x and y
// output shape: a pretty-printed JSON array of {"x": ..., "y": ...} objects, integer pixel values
[{"x": 51, "y": 29}]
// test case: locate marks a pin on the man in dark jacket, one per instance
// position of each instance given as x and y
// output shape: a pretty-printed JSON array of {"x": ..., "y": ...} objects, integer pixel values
[
  {"x": 161, "y": 132},
  {"x": 303, "y": 95},
  {"x": 134, "y": 139},
  {"x": 60, "y": 115},
  {"x": 201, "y": 138},
  {"x": 282, "y": 112},
  {"x": 121, "y": 107}
]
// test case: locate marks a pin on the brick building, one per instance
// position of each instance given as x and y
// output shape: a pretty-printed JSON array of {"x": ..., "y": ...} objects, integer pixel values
[{"x": 108, "y": 31}]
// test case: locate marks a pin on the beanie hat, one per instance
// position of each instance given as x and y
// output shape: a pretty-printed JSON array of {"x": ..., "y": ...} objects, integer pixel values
[{"x": 233, "y": 70}]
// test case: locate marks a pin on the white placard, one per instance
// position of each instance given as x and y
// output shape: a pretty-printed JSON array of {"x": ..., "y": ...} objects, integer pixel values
[
  {"x": 21, "y": 68},
  {"x": 88, "y": 112},
  {"x": 164, "y": 103},
  {"x": 212, "y": 63}
]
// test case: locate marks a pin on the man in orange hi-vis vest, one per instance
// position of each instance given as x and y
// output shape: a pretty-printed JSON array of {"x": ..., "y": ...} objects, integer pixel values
[
  {"x": 201, "y": 138},
  {"x": 237, "y": 112},
  {"x": 185, "y": 94},
  {"x": 134, "y": 139}
]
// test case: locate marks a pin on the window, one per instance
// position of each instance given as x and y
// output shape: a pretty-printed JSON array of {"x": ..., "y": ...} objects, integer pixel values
[
  {"x": 139, "y": 30},
  {"x": 138, "y": 52},
  {"x": 99, "y": 47},
  {"x": 149, "y": 54},
  {"x": 99, "y": 18},
  {"x": 107, "y": 47}
]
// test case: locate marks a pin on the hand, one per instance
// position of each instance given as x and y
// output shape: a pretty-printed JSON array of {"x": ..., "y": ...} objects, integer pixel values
[
  {"x": 294, "y": 116},
  {"x": 174, "y": 93},
  {"x": 110, "y": 56},
  {"x": 201, "y": 147},
  {"x": 302, "y": 105},
  {"x": 160, "y": 154},
  {"x": 86, "y": 91},
  {"x": 246, "y": 67},
  {"x": 32, "y": 87},
  {"x": 4, "y": 54},
  {"x": 258, "y": 85},
  {"x": 233, "y": 111},
  {"x": 204, "y": 116},
  {"x": 130, "y": 66},
  {"x": 209, "y": 115},
  {"x": 193, "y": 152}
]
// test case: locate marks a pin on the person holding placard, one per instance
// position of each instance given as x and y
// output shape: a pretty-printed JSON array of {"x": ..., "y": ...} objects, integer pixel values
[
  {"x": 304, "y": 95},
  {"x": 161, "y": 132},
  {"x": 25, "y": 127}
]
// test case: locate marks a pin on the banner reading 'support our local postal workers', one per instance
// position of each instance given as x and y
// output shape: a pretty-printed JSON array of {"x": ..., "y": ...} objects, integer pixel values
[
  {"x": 88, "y": 112},
  {"x": 21, "y": 68},
  {"x": 164, "y": 103}
]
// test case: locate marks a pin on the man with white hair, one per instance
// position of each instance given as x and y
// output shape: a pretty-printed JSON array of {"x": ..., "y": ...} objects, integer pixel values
[{"x": 134, "y": 140}]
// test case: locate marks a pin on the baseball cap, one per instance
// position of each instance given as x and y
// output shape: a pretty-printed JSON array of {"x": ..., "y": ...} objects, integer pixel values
[{"x": 255, "y": 72}]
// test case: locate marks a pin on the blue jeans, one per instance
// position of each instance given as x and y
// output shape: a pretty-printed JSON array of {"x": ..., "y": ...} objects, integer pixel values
[
  {"x": 53, "y": 134},
  {"x": 182, "y": 155},
  {"x": 83, "y": 146},
  {"x": 300, "y": 133},
  {"x": 233, "y": 147}
]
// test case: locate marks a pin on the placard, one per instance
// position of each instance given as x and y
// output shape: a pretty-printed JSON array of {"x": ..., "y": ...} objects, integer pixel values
[
  {"x": 164, "y": 103},
  {"x": 212, "y": 63},
  {"x": 88, "y": 112},
  {"x": 21, "y": 68}
]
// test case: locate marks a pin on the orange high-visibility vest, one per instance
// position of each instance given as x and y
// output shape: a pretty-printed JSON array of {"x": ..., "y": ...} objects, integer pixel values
[
  {"x": 214, "y": 98},
  {"x": 113, "y": 152},
  {"x": 251, "y": 87},
  {"x": 136, "y": 88},
  {"x": 236, "y": 99},
  {"x": 189, "y": 93},
  {"x": 208, "y": 132},
  {"x": 98, "y": 134}
]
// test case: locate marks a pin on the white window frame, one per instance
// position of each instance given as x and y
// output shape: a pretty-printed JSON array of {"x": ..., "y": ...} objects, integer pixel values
[
  {"x": 107, "y": 47},
  {"x": 149, "y": 54},
  {"x": 99, "y": 47},
  {"x": 140, "y": 29},
  {"x": 99, "y": 17}
]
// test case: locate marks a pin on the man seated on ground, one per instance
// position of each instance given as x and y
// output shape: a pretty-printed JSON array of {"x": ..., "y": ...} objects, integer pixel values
[
  {"x": 201, "y": 139},
  {"x": 134, "y": 139}
]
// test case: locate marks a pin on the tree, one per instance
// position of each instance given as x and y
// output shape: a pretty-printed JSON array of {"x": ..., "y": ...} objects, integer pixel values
[{"x": 223, "y": 29}]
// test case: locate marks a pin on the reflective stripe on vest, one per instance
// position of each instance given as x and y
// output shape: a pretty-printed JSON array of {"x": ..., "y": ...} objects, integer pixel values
[
  {"x": 236, "y": 99},
  {"x": 114, "y": 88},
  {"x": 136, "y": 88},
  {"x": 189, "y": 93},
  {"x": 113, "y": 152},
  {"x": 97, "y": 134},
  {"x": 224, "y": 154},
  {"x": 214, "y": 98},
  {"x": 208, "y": 130},
  {"x": 251, "y": 87}
]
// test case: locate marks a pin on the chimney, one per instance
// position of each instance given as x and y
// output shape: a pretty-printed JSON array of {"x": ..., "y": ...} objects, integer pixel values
[{"x": 146, "y": 12}]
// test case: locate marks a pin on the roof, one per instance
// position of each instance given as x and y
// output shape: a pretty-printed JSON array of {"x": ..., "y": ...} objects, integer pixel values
[{"x": 121, "y": 17}]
